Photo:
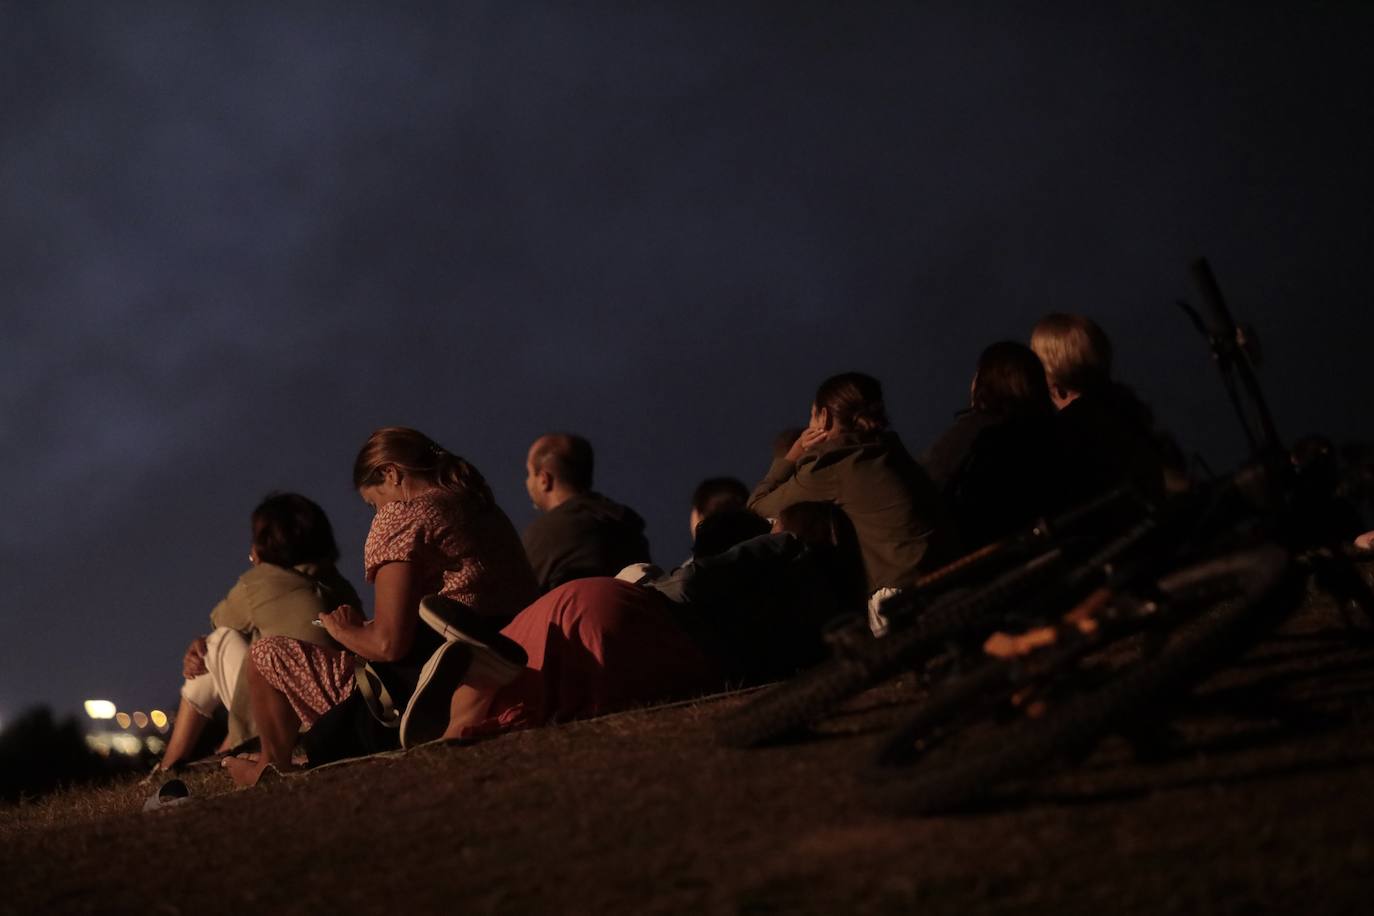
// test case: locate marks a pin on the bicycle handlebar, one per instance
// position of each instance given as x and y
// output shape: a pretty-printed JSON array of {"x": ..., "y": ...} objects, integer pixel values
[{"x": 1219, "y": 319}]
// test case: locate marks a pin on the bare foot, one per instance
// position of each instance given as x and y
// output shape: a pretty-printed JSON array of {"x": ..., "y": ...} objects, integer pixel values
[{"x": 297, "y": 760}]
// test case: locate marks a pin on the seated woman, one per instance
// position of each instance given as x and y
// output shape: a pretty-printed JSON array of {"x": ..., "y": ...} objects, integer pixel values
[
  {"x": 437, "y": 529},
  {"x": 291, "y": 582},
  {"x": 848, "y": 456},
  {"x": 999, "y": 466}
]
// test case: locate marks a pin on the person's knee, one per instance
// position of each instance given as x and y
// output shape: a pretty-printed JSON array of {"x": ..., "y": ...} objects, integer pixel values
[
  {"x": 225, "y": 649},
  {"x": 200, "y": 692}
]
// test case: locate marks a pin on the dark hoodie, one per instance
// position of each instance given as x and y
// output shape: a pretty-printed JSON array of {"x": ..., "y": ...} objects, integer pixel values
[
  {"x": 588, "y": 535},
  {"x": 1110, "y": 438}
]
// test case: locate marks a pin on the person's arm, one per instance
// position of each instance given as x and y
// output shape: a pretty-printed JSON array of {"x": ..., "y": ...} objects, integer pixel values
[
  {"x": 944, "y": 459},
  {"x": 193, "y": 662},
  {"x": 388, "y": 636},
  {"x": 234, "y": 611},
  {"x": 781, "y": 487}
]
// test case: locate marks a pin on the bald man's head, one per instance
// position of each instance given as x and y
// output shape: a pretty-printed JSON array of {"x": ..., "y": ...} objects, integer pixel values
[{"x": 559, "y": 466}]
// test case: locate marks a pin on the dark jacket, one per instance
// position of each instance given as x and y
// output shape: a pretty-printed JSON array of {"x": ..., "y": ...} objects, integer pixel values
[
  {"x": 1110, "y": 439},
  {"x": 888, "y": 497},
  {"x": 998, "y": 473},
  {"x": 587, "y": 535},
  {"x": 758, "y": 609}
]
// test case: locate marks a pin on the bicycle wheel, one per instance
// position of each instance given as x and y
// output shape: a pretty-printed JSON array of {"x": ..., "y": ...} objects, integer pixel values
[
  {"x": 800, "y": 701},
  {"x": 811, "y": 694},
  {"x": 958, "y": 772}
]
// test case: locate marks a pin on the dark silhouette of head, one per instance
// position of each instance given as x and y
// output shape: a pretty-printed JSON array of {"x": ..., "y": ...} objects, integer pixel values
[
  {"x": 725, "y": 528},
  {"x": 289, "y": 529},
  {"x": 716, "y": 494},
  {"x": 1010, "y": 380}
]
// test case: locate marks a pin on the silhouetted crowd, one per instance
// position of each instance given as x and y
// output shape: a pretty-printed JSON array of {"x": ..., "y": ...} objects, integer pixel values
[{"x": 476, "y": 630}]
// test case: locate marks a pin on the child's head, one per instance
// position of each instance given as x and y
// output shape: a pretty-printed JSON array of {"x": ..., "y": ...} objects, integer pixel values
[
  {"x": 289, "y": 529},
  {"x": 1076, "y": 353}
]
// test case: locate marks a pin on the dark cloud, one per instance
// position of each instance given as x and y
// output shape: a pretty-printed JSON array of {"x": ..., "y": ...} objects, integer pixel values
[{"x": 232, "y": 242}]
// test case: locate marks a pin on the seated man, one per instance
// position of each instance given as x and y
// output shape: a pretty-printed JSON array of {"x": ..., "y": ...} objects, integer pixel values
[
  {"x": 1109, "y": 435},
  {"x": 580, "y": 533}
]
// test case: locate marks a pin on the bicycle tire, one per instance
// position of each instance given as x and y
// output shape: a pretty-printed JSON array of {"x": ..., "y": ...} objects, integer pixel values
[
  {"x": 793, "y": 704},
  {"x": 996, "y": 679},
  {"x": 952, "y": 777}
]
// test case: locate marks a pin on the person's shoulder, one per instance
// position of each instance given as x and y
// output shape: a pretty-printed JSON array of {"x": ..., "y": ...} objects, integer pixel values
[
  {"x": 266, "y": 575},
  {"x": 426, "y": 509},
  {"x": 267, "y": 580},
  {"x": 327, "y": 578},
  {"x": 547, "y": 526}
]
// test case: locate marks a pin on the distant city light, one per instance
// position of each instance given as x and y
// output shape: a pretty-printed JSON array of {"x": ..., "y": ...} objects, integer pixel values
[
  {"x": 159, "y": 718},
  {"x": 123, "y": 719},
  {"x": 99, "y": 743},
  {"x": 141, "y": 719},
  {"x": 155, "y": 744},
  {"x": 129, "y": 745},
  {"x": 100, "y": 709}
]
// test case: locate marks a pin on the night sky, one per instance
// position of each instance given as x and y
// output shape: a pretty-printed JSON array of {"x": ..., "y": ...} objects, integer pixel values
[{"x": 233, "y": 243}]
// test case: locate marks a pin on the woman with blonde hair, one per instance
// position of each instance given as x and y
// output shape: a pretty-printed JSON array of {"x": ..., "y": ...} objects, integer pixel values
[{"x": 437, "y": 530}]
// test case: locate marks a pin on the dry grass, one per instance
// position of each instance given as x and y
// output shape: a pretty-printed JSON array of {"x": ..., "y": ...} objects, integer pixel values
[{"x": 641, "y": 812}]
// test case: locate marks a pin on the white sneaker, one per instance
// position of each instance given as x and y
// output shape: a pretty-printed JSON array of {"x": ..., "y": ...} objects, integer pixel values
[
  {"x": 454, "y": 621},
  {"x": 452, "y": 665}
]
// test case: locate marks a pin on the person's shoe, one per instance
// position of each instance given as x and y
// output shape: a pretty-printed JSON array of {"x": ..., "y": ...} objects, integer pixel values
[
  {"x": 455, "y": 663},
  {"x": 426, "y": 715},
  {"x": 171, "y": 792},
  {"x": 455, "y": 622}
]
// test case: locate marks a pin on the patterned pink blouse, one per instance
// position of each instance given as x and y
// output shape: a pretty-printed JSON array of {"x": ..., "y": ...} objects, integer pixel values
[{"x": 462, "y": 551}]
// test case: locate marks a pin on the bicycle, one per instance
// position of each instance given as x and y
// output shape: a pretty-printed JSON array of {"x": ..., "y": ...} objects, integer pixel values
[
  {"x": 1175, "y": 615},
  {"x": 1183, "y": 582}
]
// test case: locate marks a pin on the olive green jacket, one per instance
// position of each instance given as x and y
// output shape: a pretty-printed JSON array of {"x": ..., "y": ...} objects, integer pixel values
[
  {"x": 273, "y": 600},
  {"x": 894, "y": 507}
]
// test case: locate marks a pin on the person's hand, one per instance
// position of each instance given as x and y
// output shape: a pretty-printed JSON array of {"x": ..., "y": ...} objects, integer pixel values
[
  {"x": 193, "y": 664},
  {"x": 810, "y": 438},
  {"x": 1365, "y": 541},
  {"x": 344, "y": 617}
]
